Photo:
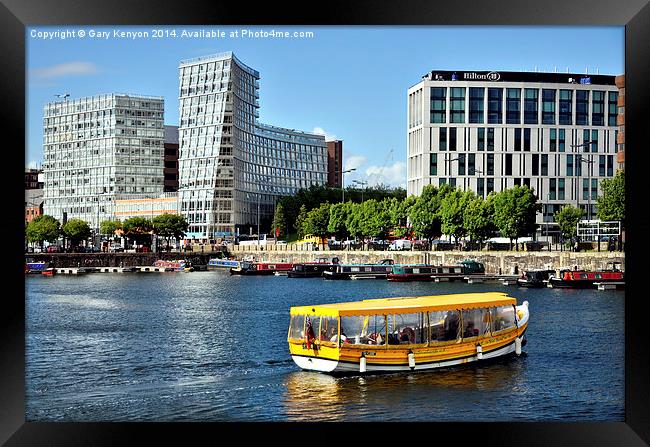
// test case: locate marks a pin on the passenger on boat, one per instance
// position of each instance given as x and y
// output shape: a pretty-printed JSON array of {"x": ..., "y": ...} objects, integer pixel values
[
  {"x": 329, "y": 333},
  {"x": 407, "y": 335},
  {"x": 375, "y": 339},
  {"x": 451, "y": 325}
]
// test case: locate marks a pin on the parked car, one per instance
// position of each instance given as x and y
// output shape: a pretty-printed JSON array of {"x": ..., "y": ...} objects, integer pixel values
[
  {"x": 54, "y": 249},
  {"x": 92, "y": 249},
  {"x": 116, "y": 248},
  {"x": 401, "y": 244}
]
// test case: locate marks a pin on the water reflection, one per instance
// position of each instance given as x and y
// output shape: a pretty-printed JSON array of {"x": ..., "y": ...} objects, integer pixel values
[{"x": 312, "y": 396}]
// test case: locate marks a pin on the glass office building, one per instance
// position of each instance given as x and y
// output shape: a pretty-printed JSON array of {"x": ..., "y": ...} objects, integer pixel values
[
  {"x": 97, "y": 149},
  {"x": 488, "y": 131},
  {"x": 233, "y": 169}
]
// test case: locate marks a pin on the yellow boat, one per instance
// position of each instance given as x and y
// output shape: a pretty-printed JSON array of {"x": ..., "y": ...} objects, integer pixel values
[{"x": 406, "y": 333}]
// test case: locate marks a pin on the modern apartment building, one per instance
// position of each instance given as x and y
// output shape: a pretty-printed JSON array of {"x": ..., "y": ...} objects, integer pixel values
[
  {"x": 34, "y": 179},
  {"x": 137, "y": 205},
  {"x": 170, "y": 169},
  {"x": 97, "y": 149},
  {"x": 488, "y": 131},
  {"x": 232, "y": 169},
  {"x": 335, "y": 164}
]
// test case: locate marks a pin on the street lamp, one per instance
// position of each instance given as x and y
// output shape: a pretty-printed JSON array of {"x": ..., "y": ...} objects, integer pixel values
[
  {"x": 343, "y": 181},
  {"x": 479, "y": 177},
  {"x": 448, "y": 165},
  {"x": 589, "y": 161},
  {"x": 361, "y": 183}
]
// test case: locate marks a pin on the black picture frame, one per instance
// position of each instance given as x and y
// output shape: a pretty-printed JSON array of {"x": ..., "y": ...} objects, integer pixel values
[{"x": 16, "y": 15}]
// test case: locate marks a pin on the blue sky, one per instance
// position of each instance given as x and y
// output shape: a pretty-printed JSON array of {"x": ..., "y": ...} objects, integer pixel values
[{"x": 347, "y": 82}]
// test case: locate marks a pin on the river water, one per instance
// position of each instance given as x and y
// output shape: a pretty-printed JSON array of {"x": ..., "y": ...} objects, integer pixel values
[{"x": 205, "y": 346}]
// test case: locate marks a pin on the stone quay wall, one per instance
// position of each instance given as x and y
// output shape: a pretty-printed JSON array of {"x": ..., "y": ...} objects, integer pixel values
[
  {"x": 60, "y": 260},
  {"x": 494, "y": 261}
]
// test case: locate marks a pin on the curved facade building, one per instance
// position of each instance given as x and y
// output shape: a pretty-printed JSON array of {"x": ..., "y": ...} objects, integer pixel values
[
  {"x": 232, "y": 169},
  {"x": 489, "y": 131}
]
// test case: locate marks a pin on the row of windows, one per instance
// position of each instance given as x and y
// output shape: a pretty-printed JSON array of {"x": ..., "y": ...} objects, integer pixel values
[{"x": 556, "y": 106}]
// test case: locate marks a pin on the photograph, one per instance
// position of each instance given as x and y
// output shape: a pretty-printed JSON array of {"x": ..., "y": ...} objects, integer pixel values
[
  {"x": 192, "y": 193},
  {"x": 266, "y": 222}
]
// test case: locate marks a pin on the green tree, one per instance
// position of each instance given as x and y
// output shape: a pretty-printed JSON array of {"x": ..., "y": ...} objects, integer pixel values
[
  {"x": 567, "y": 218},
  {"x": 339, "y": 213},
  {"x": 300, "y": 222},
  {"x": 375, "y": 218},
  {"x": 43, "y": 228},
  {"x": 138, "y": 228},
  {"x": 317, "y": 221},
  {"x": 354, "y": 220},
  {"x": 109, "y": 227},
  {"x": 451, "y": 212},
  {"x": 611, "y": 205},
  {"x": 478, "y": 218},
  {"x": 515, "y": 212},
  {"x": 279, "y": 222},
  {"x": 76, "y": 230},
  {"x": 399, "y": 212},
  {"x": 169, "y": 226},
  {"x": 424, "y": 216}
]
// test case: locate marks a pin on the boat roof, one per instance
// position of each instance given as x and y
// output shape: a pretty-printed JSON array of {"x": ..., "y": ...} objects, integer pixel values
[{"x": 408, "y": 304}]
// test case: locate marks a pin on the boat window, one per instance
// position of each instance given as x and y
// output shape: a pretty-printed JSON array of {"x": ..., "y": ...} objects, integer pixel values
[
  {"x": 583, "y": 276},
  {"x": 502, "y": 318},
  {"x": 363, "y": 330},
  {"x": 476, "y": 322},
  {"x": 445, "y": 325},
  {"x": 297, "y": 326},
  {"x": 329, "y": 329},
  {"x": 407, "y": 329}
]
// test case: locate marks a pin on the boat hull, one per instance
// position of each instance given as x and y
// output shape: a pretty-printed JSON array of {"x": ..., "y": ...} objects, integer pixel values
[{"x": 579, "y": 284}]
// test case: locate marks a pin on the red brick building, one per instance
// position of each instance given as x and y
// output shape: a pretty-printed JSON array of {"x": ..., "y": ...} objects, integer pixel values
[
  {"x": 335, "y": 163},
  {"x": 620, "y": 121}
]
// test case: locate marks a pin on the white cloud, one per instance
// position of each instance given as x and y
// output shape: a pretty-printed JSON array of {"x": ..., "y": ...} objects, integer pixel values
[
  {"x": 78, "y": 68},
  {"x": 321, "y": 131},
  {"x": 353, "y": 162},
  {"x": 393, "y": 175}
]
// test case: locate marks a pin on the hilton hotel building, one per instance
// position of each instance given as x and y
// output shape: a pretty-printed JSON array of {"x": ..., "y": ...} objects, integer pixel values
[
  {"x": 488, "y": 131},
  {"x": 232, "y": 169}
]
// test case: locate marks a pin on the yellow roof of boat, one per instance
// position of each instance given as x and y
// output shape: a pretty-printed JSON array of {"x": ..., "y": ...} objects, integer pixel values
[{"x": 408, "y": 304}]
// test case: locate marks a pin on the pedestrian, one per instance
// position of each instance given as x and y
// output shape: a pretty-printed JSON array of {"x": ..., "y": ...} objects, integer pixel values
[{"x": 576, "y": 246}]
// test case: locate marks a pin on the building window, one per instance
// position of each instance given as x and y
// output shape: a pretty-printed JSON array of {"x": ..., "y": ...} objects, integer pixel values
[
  {"x": 457, "y": 105},
  {"x": 553, "y": 140},
  {"x": 610, "y": 165},
  {"x": 569, "y": 165},
  {"x": 551, "y": 189},
  {"x": 490, "y": 185},
  {"x": 438, "y": 99},
  {"x": 490, "y": 139},
  {"x": 495, "y": 105},
  {"x": 544, "y": 164},
  {"x": 442, "y": 139},
  {"x": 527, "y": 140},
  {"x": 598, "y": 108},
  {"x": 517, "y": 139},
  {"x": 535, "y": 164},
  {"x": 471, "y": 164},
  {"x": 594, "y": 141},
  {"x": 582, "y": 107},
  {"x": 481, "y": 187},
  {"x": 508, "y": 164},
  {"x": 611, "y": 117},
  {"x": 601, "y": 165},
  {"x": 513, "y": 106},
  {"x": 452, "y": 138},
  {"x": 490, "y": 165},
  {"x": 585, "y": 189},
  {"x": 433, "y": 164},
  {"x": 560, "y": 189},
  {"x": 461, "y": 164},
  {"x": 530, "y": 106},
  {"x": 562, "y": 142},
  {"x": 566, "y": 108},
  {"x": 481, "y": 138},
  {"x": 548, "y": 106},
  {"x": 452, "y": 182},
  {"x": 594, "y": 188},
  {"x": 476, "y": 105}
]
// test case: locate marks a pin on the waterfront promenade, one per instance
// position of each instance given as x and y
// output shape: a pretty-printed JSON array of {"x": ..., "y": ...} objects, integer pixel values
[{"x": 494, "y": 261}]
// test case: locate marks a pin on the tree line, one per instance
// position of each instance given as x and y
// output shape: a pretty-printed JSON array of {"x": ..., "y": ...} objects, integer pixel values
[{"x": 139, "y": 229}]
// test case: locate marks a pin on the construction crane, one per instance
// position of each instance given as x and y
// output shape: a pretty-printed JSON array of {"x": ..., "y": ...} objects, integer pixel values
[{"x": 389, "y": 157}]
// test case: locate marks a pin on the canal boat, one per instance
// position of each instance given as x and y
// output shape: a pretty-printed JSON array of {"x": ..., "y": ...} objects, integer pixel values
[
  {"x": 217, "y": 263},
  {"x": 177, "y": 265},
  {"x": 35, "y": 267},
  {"x": 260, "y": 268},
  {"x": 535, "y": 278},
  {"x": 358, "y": 271},
  {"x": 585, "y": 279},
  {"x": 424, "y": 272},
  {"x": 406, "y": 333},
  {"x": 313, "y": 269},
  {"x": 49, "y": 271}
]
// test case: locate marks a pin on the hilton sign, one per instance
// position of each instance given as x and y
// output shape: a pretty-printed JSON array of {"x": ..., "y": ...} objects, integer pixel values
[{"x": 491, "y": 76}]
